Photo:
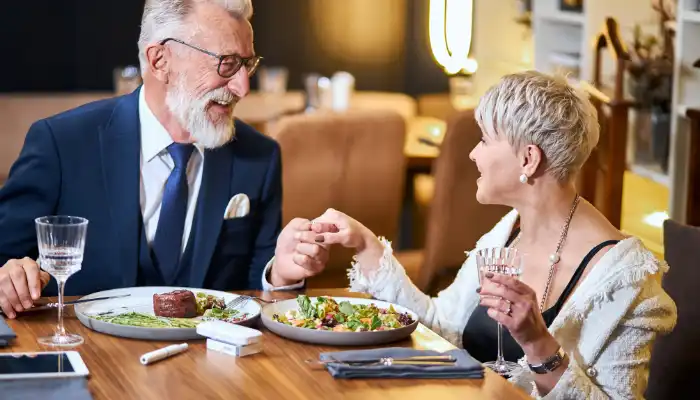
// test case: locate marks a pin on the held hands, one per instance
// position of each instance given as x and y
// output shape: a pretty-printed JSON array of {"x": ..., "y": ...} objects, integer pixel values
[
  {"x": 514, "y": 305},
  {"x": 302, "y": 248},
  {"x": 349, "y": 232},
  {"x": 299, "y": 253},
  {"x": 21, "y": 282}
]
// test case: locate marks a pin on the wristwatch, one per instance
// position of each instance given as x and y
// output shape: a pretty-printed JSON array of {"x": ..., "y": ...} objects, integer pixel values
[{"x": 549, "y": 364}]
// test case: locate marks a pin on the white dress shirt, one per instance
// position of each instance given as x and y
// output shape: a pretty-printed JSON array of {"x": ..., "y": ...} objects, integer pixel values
[{"x": 156, "y": 166}]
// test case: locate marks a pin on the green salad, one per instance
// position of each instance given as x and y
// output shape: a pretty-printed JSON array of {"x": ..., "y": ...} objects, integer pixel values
[{"x": 327, "y": 314}]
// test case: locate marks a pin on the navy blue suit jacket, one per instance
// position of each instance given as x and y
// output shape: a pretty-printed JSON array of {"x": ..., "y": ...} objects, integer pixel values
[{"x": 86, "y": 162}]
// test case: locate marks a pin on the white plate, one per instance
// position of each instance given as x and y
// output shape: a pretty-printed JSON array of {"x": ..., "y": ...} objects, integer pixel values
[
  {"x": 335, "y": 338},
  {"x": 141, "y": 300}
]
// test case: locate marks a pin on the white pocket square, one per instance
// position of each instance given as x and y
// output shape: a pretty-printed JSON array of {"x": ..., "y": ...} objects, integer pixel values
[{"x": 238, "y": 206}]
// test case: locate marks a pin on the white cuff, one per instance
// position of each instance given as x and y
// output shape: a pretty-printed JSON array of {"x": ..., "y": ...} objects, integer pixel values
[{"x": 267, "y": 286}]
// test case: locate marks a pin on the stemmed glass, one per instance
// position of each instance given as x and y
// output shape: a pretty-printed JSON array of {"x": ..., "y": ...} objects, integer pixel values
[
  {"x": 61, "y": 243},
  {"x": 504, "y": 261}
]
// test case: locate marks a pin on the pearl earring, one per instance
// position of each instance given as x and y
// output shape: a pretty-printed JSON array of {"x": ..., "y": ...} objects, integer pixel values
[{"x": 523, "y": 178}]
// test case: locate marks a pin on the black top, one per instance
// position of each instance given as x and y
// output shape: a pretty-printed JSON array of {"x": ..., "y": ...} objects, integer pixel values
[{"x": 480, "y": 335}]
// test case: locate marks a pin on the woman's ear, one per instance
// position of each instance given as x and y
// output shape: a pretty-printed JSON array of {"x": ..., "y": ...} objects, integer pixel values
[{"x": 531, "y": 158}]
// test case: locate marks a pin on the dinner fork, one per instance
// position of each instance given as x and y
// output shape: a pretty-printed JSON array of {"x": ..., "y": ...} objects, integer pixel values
[
  {"x": 240, "y": 301},
  {"x": 388, "y": 361}
]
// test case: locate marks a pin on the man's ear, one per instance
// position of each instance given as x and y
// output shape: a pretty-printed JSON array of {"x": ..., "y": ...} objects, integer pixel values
[{"x": 158, "y": 61}]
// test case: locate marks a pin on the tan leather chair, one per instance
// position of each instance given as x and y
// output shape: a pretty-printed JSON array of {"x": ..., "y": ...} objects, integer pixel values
[
  {"x": 399, "y": 102},
  {"x": 455, "y": 219},
  {"x": 353, "y": 162},
  {"x": 19, "y": 111}
]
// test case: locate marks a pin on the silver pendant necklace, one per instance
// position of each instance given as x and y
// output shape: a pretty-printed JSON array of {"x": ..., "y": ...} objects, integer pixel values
[{"x": 556, "y": 256}]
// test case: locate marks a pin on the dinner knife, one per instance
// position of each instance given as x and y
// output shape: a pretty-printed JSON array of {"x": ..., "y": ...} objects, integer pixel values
[{"x": 48, "y": 306}]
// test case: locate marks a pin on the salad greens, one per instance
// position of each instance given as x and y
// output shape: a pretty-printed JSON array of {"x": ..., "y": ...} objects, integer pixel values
[
  {"x": 207, "y": 301},
  {"x": 327, "y": 314}
]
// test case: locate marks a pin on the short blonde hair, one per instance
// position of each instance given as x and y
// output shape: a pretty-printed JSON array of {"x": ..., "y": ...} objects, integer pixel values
[{"x": 534, "y": 108}]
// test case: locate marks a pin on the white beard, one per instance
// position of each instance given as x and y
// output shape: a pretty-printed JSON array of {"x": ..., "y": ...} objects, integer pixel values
[{"x": 192, "y": 115}]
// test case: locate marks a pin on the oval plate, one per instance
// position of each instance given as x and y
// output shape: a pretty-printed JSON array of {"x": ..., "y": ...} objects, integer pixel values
[
  {"x": 141, "y": 300},
  {"x": 335, "y": 338}
]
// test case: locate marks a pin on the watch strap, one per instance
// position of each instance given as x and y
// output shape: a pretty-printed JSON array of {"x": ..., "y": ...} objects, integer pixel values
[{"x": 549, "y": 364}]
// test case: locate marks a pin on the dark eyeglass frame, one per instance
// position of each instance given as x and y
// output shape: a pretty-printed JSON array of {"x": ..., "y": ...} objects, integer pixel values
[{"x": 237, "y": 59}]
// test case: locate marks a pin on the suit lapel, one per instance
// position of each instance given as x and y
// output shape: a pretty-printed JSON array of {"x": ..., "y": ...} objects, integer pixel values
[
  {"x": 120, "y": 150},
  {"x": 211, "y": 205}
]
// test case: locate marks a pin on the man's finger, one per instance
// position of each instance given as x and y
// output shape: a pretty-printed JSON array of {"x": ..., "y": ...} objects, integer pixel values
[
  {"x": 45, "y": 279},
  {"x": 301, "y": 224},
  {"x": 7, "y": 308},
  {"x": 311, "y": 250},
  {"x": 312, "y": 266},
  {"x": 8, "y": 290},
  {"x": 20, "y": 281},
  {"x": 33, "y": 278}
]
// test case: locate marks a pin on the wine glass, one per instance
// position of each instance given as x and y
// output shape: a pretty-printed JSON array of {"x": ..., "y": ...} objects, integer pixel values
[
  {"x": 505, "y": 261},
  {"x": 61, "y": 242}
]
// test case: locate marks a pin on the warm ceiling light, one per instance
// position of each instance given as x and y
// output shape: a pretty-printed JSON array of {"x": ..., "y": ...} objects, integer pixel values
[{"x": 450, "y": 29}]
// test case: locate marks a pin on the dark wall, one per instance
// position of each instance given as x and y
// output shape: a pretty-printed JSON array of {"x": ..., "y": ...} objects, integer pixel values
[
  {"x": 73, "y": 45},
  {"x": 66, "y": 45}
]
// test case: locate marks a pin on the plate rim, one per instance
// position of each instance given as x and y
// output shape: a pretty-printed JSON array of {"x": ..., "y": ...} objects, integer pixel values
[
  {"x": 264, "y": 317},
  {"x": 77, "y": 308}
]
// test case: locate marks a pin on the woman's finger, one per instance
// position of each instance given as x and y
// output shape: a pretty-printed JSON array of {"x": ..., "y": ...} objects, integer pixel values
[
  {"x": 323, "y": 227},
  {"x": 500, "y": 291},
  {"x": 500, "y": 305},
  {"x": 509, "y": 282},
  {"x": 505, "y": 320},
  {"x": 309, "y": 237}
]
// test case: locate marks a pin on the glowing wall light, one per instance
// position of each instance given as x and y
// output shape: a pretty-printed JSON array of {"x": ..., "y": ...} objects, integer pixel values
[{"x": 450, "y": 29}]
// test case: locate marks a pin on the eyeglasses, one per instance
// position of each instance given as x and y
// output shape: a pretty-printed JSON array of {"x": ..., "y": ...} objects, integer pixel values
[{"x": 229, "y": 64}]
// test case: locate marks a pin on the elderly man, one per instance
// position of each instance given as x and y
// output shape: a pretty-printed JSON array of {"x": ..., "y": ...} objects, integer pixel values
[{"x": 176, "y": 192}]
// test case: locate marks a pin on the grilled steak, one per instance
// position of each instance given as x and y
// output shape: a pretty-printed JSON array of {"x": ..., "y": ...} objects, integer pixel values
[{"x": 176, "y": 304}]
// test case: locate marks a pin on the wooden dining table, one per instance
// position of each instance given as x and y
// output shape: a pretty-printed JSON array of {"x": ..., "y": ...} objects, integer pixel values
[{"x": 280, "y": 371}]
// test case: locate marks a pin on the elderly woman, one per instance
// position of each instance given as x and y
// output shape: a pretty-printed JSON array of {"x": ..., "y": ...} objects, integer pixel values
[{"x": 589, "y": 304}]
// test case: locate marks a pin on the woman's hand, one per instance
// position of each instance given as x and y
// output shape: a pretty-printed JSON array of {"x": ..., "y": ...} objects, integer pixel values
[
  {"x": 350, "y": 233},
  {"x": 514, "y": 305}
]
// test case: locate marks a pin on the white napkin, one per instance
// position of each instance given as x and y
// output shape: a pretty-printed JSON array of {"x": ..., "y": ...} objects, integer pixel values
[{"x": 238, "y": 206}]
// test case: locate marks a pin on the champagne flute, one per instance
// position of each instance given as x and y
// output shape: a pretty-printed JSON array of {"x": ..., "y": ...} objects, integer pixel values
[
  {"x": 61, "y": 242},
  {"x": 504, "y": 261}
]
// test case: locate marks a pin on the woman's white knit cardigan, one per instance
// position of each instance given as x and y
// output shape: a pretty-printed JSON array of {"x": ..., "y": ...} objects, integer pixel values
[{"x": 607, "y": 327}]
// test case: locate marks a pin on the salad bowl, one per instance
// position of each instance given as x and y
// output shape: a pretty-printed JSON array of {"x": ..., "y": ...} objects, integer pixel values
[{"x": 373, "y": 331}]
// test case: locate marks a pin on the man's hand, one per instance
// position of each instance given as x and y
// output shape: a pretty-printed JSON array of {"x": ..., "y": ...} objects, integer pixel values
[
  {"x": 21, "y": 282},
  {"x": 297, "y": 258}
]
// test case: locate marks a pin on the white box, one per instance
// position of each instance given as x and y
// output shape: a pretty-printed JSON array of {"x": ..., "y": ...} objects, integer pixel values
[
  {"x": 233, "y": 350},
  {"x": 229, "y": 333}
]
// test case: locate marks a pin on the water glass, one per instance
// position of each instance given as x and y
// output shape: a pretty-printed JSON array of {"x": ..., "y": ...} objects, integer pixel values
[
  {"x": 61, "y": 241},
  {"x": 273, "y": 80},
  {"x": 505, "y": 261}
]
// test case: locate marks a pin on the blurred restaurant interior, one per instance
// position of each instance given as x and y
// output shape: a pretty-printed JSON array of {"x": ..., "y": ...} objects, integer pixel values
[
  {"x": 419, "y": 71},
  {"x": 372, "y": 103}
]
